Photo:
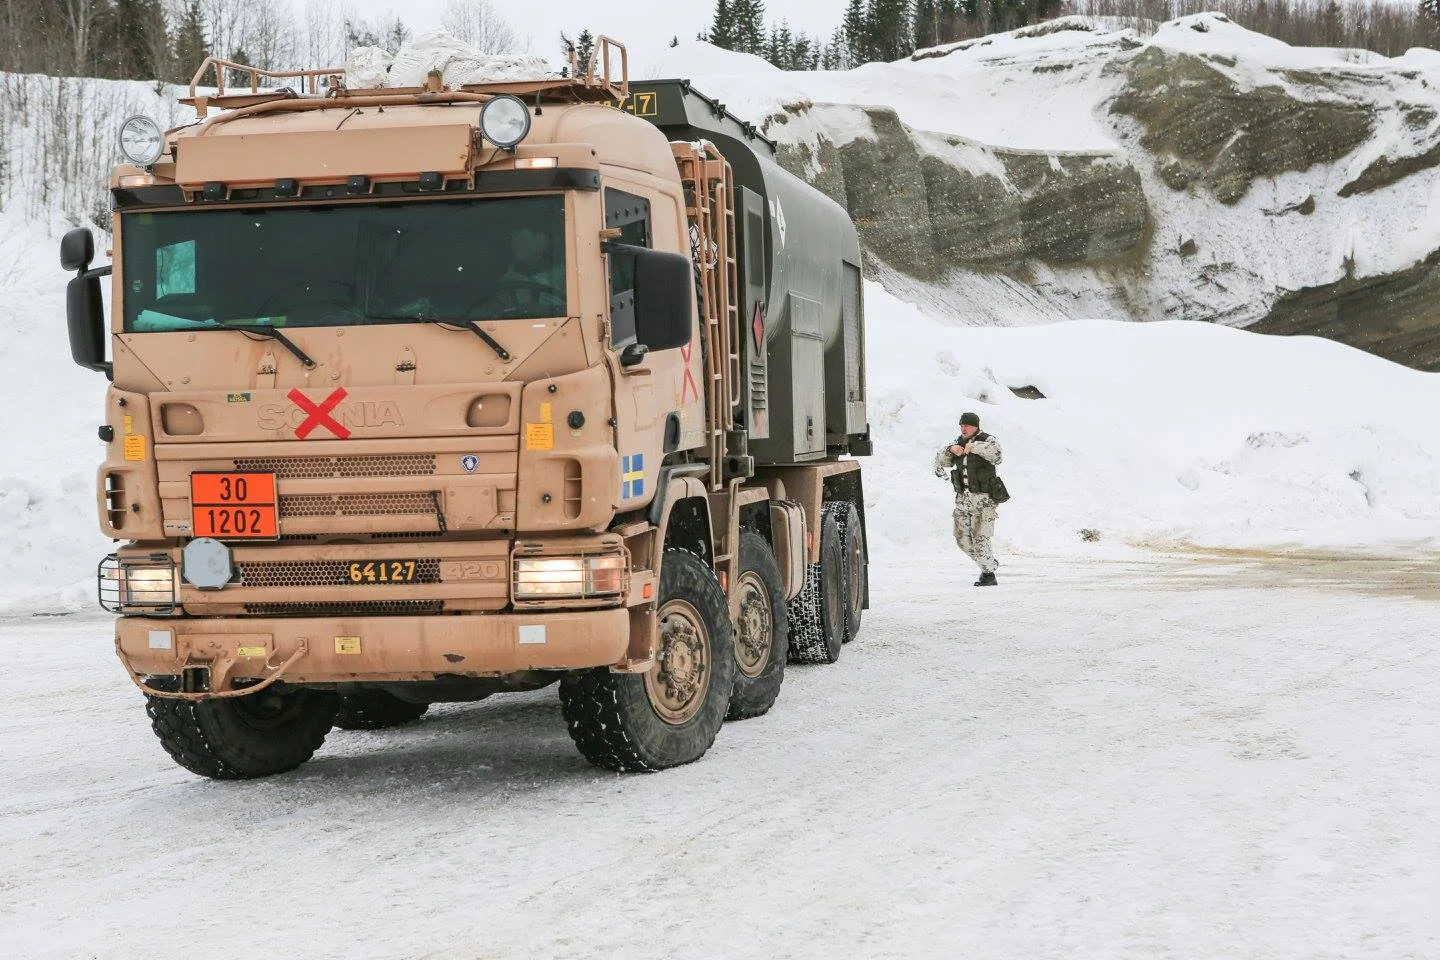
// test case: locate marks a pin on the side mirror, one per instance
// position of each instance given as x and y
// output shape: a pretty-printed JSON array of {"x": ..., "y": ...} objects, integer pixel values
[
  {"x": 84, "y": 305},
  {"x": 664, "y": 298},
  {"x": 77, "y": 249}
]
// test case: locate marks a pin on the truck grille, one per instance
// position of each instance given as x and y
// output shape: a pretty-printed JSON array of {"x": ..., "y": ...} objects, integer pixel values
[
  {"x": 320, "y": 573},
  {"x": 368, "y": 608},
  {"x": 356, "y": 504},
  {"x": 328, "y": 468}
]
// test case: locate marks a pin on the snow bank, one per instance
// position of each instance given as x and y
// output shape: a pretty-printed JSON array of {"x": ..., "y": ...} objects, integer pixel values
[
  {"x": 1151, "y": 434},
  {"x": 47, "y": 475}
]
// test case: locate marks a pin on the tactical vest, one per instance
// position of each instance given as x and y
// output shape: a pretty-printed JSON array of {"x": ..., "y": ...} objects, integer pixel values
[{"x": 979, "y": 472}]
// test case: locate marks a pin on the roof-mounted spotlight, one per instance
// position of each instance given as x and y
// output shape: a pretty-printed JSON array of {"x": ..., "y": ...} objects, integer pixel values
[
  {"x": 141, "y": 140},
  {"x": 505, "y": 121}
]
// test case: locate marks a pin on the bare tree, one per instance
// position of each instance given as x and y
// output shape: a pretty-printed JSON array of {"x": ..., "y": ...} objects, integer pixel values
[
  {"x": 80, "y": 16},
  {"x": 325, "y": 33},
  {"x": 270, "y": 36},
  {"x": 479, "y": 24},
  {"x": 226, "y": 21}
]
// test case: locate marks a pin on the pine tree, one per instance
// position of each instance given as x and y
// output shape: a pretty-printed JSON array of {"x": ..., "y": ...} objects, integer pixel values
[
  {"x": 584, "y": 47},
  {"x": 144, "y": 43},
  {"x": 858, "y": 44},
  {"x": 749, "y": 20},
  {"x": 189, "y": 43},
  {"x": 1430, "y": 12},
  {"x": 722, "y": 27},
  {"x": 835, "y": 56},
  {"x": 675, "y": 40},
  {"x": 926, "y": 32},
  {"x": 237, "y": 78},
  {"x": 888, "y": 23}
]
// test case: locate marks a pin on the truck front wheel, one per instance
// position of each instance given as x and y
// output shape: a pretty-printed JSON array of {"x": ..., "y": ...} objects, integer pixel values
[
  {"x": 242, "y": 737},
  {"x": 671, "y": 714},
  {"x": 762, "y": 631}
]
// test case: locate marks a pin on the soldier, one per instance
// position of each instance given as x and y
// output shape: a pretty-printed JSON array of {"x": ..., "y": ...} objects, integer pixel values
[{"x": 971, "y": 461}]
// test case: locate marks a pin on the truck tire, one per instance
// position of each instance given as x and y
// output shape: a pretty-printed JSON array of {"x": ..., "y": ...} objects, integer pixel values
[
  {"x": 762, "y": 638},
  {"x": 852, "y": 545},
  {"x": 817, "y": 615},
  {"x": 670, "y": 715},
  {"x": 376, "y": 710},
  {"x": 244, "y": 737}
]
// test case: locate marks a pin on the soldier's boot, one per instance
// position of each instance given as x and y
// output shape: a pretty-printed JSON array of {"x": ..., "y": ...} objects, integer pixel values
[{"x": 987, "y": 580}]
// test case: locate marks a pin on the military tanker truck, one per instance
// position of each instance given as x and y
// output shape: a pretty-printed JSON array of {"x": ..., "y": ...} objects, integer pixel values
[{"x": 421, "y": 395}]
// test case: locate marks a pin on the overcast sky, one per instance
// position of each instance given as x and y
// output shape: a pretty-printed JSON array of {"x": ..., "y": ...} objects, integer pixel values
[{"x": 644, "y": 26}]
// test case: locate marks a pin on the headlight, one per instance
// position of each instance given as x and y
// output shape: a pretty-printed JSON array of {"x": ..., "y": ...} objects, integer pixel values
[
  {"x": 142, "y": 140},
  {"x": 505, "y": 121},
  {"x": 575, "y": 577},
  {"x": 141, "y": 585}
]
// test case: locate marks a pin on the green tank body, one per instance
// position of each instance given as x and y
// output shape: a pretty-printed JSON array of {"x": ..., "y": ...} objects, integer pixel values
[{"x": 800, "y": 284}]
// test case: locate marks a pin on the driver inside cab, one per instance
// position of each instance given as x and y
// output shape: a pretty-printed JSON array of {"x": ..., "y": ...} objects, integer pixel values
[{"x": 533, "y": 285}]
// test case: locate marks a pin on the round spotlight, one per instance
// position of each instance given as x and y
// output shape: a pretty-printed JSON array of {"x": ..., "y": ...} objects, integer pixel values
[
  {"x": 505, "y": 121},
  {"x": 141, "y": 140}
]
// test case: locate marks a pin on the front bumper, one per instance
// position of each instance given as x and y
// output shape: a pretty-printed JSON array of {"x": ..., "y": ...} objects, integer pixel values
[{"x": 337, "y": 650}]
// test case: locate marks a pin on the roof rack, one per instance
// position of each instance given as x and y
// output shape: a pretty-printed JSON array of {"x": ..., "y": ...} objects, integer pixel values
[
  {"x": 220, "y": 66},
  {"x": 598, "y": 82}
]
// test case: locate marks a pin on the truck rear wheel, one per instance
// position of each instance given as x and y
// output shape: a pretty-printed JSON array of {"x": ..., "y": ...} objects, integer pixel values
[
  {"x": 671, "y": 714},
  {"x": 376, "y": 710},
  {"x": 817, "y": 615},
  {"x": 762, "y": 632},
  {"x": 241, "y": 738},
  {"x": 852, "y": 546}
]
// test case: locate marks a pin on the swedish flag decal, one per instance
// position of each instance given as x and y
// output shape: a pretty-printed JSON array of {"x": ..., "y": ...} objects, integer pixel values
[{"x": 632, "y": 476}]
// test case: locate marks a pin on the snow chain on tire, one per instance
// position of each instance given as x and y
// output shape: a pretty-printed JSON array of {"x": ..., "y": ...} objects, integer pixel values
[{"x": 817, "y": 615}]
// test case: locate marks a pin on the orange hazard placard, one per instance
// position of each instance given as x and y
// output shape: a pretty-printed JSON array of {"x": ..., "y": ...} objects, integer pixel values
[{"x": 234, "y": 506}]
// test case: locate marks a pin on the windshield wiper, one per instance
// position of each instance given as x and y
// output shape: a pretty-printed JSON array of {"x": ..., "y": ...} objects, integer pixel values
[
  {"x": 472, "y": 325},
  {"x": 500, "y": 351},
  {"x": 273, "y": 334}
]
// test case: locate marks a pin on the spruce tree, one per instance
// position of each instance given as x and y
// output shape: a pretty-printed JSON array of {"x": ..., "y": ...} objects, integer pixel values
[
  {"x": 927, "y": 24},
  {"x": 749, "y": 26},
  {"x": 722, "y": 27},
  {"x": 584, "y": 46},
  {"x": 189, "y": 43},
  {"x": 856, "y": 25}
]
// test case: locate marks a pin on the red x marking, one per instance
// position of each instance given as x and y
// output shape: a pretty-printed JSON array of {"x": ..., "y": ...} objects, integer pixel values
[
  {"x": 689, "y": 382},
  {"x": 319, "y": 414}
]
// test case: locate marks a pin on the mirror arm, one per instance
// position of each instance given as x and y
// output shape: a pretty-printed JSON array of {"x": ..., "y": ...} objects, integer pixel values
[{"x": 104, "y": 271}]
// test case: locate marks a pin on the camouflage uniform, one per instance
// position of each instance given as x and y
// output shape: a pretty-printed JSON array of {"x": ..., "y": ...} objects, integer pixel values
[{"x": 974, "y": 517}]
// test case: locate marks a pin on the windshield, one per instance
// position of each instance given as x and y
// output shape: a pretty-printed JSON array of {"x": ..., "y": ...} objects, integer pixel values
[{"x": 346, "y": 264}]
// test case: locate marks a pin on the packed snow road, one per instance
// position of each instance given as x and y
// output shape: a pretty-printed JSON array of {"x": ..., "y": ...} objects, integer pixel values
[{"x": 1187, "y": 756}]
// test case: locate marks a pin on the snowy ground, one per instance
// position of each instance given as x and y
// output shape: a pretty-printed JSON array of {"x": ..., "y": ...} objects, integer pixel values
[{"x": 1170, "y": 756}]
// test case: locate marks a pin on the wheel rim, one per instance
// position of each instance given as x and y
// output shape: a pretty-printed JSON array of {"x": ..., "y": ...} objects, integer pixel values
[
  {"x": 678, "y": 682},
  {"x": 754, "y": 633}
]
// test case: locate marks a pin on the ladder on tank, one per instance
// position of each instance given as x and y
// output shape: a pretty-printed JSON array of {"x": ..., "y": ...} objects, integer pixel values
[{"x": 710, "y": 209}]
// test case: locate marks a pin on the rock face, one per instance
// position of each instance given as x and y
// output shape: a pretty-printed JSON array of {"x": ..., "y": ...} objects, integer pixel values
[
  {"x": 1206, "y": 128},
  {"x": 924, "y": 202},
  {"x": 1396, "y": 315}
]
